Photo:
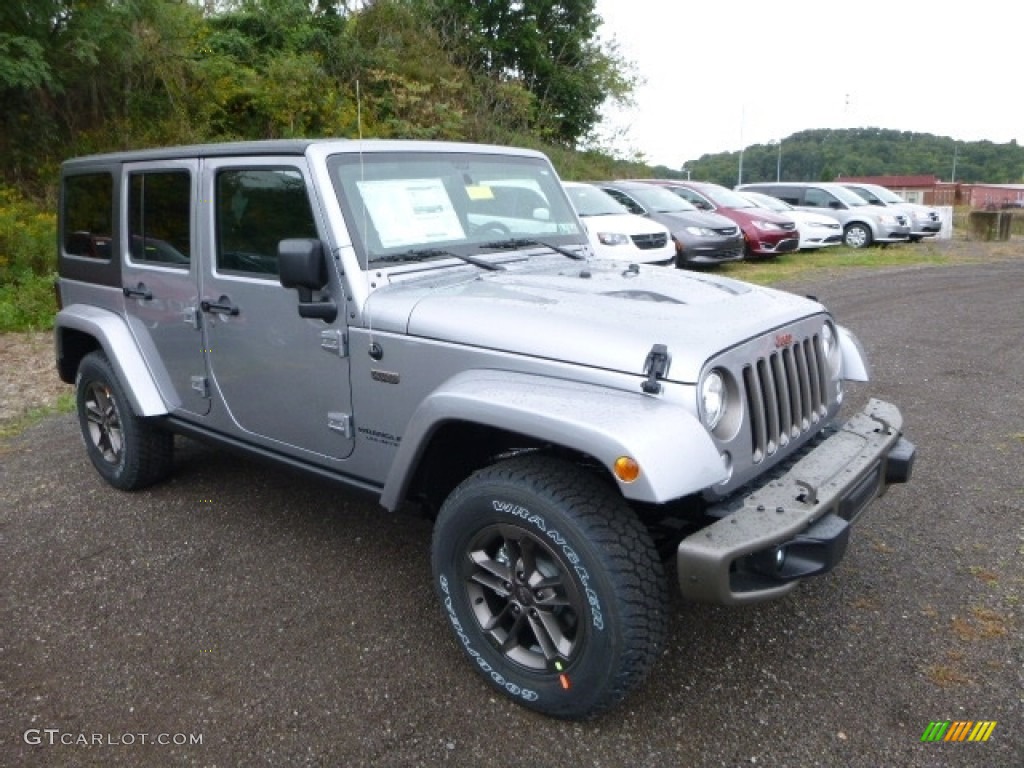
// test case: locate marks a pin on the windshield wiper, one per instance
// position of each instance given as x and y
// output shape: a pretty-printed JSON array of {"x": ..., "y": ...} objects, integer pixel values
[
  {"x": 419, "y": 254},
  {"x": 525, "y": 242}
]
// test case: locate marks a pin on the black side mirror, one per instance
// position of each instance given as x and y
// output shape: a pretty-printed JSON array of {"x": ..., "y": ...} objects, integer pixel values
[{"x": 302, "y": 266}]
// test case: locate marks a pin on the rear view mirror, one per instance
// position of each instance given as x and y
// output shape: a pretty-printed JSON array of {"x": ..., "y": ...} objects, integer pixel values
[{"x": 302, "y": 265}]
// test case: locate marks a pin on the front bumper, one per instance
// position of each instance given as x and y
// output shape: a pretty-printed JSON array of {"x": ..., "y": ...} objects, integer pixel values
[
  {"x": 772, "y": 247},
  {"x": 893, "y": 234},
  {"x": 796, "y": 524}
]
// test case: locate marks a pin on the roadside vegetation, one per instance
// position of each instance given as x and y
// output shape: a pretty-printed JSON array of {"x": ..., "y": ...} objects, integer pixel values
[{"x": 84, "y": 77}]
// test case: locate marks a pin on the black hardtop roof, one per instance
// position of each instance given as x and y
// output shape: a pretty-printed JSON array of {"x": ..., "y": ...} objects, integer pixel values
[
  {"x": 224, "y": 149},
  {"x": 283, "y": 147}
]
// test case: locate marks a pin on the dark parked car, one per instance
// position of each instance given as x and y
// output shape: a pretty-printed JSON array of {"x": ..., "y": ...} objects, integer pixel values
[
  {"x": 766, "y": 233},
  {"x": 702, "y": 239}
]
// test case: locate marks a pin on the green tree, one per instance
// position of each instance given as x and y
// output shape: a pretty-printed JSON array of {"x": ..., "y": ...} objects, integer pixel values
[{"x": 549, "y": 47}]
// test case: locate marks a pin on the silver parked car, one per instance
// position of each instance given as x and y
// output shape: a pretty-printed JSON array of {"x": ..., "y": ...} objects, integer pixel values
[
  {"x": 402, "y": 318},
  {"x": 863, "y": 224},
  {"x": 925, "y": 221}
]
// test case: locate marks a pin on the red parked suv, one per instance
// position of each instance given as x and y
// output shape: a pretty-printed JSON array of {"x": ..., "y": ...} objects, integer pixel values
[{"x": 766, "y": 233}]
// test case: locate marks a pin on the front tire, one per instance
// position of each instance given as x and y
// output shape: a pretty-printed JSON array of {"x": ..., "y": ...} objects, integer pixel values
[
  {"x": 551, "y": 584},
  {"x": 128, "y": 452},
  {"x": 857, "y": 236}
]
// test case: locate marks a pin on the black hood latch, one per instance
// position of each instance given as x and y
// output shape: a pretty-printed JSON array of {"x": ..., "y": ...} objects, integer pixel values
[{"x": 655, "y": 367}]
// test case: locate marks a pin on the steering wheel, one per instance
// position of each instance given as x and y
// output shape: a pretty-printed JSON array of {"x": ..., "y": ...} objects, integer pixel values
[{"x": 493, "y": 228}]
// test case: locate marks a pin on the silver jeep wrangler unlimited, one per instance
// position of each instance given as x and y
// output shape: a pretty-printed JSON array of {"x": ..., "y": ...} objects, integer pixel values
[{"x": 424, "y": 321}]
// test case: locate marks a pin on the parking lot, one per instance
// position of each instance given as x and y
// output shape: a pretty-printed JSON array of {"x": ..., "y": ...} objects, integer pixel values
[{"x": 280, "y": 620}]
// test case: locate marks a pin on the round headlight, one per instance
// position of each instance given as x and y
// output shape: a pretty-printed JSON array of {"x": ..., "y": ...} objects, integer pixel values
[{"x": 713, "y": 399}]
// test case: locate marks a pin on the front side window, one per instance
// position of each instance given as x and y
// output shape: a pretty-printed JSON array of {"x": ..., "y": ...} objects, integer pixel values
[
  {"x": 256, "y": 209},
  {"x": 159, "y": 218},
  {"x": 695, "y": 199},
  {"x": 405, "y": 205},
  {"x": 88, "y": 215},
  {"x": 627, "y": 202}
]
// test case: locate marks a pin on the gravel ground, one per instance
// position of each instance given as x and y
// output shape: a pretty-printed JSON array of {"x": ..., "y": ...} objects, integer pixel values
[
  {"x": 287, "y": 622},
  {"x": 28, "y": 377}
]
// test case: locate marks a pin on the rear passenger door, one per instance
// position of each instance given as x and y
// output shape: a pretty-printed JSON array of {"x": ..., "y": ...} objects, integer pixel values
[
  {"x": 160, "y": 278},
  {"x": 283, "y": 379}
]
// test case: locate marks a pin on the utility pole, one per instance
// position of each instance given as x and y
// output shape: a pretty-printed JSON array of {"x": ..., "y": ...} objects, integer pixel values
[
  {"x": 956, "y": 149},
  {"x": 778, "y": 163},
  {"x": 743, "y": 114}
]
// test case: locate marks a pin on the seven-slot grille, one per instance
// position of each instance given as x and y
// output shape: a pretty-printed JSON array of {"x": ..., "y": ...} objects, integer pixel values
[
  {"x": 651, "y": 241},
  {"x": 786, "y": 395}
]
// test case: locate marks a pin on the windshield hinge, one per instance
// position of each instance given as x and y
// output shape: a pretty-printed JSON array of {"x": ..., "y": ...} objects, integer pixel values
[
  {"x": 340, "y": 423},
  {"x": 655, "y": 367},
  {"x": 334, "y": 342}
]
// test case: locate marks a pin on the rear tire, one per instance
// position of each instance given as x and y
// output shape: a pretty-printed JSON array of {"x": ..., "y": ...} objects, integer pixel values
[
  {"x": 551, "y": 584},
  {"x": 129, "y": 452}
]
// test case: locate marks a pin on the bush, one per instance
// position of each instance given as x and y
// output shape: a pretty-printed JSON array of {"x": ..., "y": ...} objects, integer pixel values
[
  {"x": 28, "y": 304},
  {"x": 28, "y": 263}
]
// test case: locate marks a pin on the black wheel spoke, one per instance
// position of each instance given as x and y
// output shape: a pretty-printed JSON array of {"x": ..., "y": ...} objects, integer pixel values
[
  {"x": 490, "y": 573},
  {"x": 553, "y": 642},
  {"x": 498, "y": 618},
  {"x": 524, "y": 598},
  {"x": 528, "y": 552},
  {"x": 512, "y": 642}
]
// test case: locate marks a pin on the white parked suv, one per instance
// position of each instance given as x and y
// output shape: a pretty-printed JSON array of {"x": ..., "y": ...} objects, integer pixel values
[{"x": 614, "y": 232}]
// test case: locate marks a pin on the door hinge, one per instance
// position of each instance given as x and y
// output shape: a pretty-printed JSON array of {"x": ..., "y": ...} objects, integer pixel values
[
  {"x": 191, "y": 316},
  {"x": 340, "y": 422},
  {"x": 201, "y": 385},
  {"x": 335, "y": 342}
]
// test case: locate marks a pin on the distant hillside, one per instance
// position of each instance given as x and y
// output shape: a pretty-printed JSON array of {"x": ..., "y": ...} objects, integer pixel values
[{"x": 822, "y": 155}]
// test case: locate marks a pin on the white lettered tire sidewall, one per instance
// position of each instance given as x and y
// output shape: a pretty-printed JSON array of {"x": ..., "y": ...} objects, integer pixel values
[{"x": 609, "y": 658}]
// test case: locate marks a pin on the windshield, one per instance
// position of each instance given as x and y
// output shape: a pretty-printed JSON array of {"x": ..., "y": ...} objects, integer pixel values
[
  {"x": 848, "y": 196},
  {"x": 886, "y": 195},
  {"x": 767, "y": 201},
  {"x": 591, "y": 201},
  {"x": 401, "y": 206},
  {"x": 660, "y": 200},
  {"x": 726, "y": 198}
]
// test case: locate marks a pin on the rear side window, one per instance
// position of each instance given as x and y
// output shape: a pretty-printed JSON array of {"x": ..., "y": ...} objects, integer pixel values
[
  {"x": 159, "y": 223},
  {"x": 789, "y": 195},
  {"x": 88, "y": 215},
  {"x": 819, "y": 198},
  {"x": 256, "y": 209}
]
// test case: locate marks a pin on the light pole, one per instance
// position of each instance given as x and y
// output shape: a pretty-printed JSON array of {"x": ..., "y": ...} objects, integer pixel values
[
  {"x": 743, "y": 115},
  {"x": 778, "y": 163}
]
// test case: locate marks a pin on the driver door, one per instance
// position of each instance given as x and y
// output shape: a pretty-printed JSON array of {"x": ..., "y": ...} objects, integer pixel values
[{"x": 283, "y": 379}]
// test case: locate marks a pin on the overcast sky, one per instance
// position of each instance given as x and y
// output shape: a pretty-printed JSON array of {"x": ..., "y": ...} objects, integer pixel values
[{"x": 723, "y": 74}]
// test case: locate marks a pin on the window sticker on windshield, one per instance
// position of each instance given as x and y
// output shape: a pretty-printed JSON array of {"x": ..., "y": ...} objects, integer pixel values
[
  {"x": 411, "y": 211},
  {"x": 479, "y": 192}
]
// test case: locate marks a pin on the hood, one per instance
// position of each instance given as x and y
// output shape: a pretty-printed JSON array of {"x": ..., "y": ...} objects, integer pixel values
[
  {"x": 707, "y": 219},
  {"x": 811, "y": 218},
  {"x": 622, "y": 223},
  {"x": 600, "y": 314}
]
